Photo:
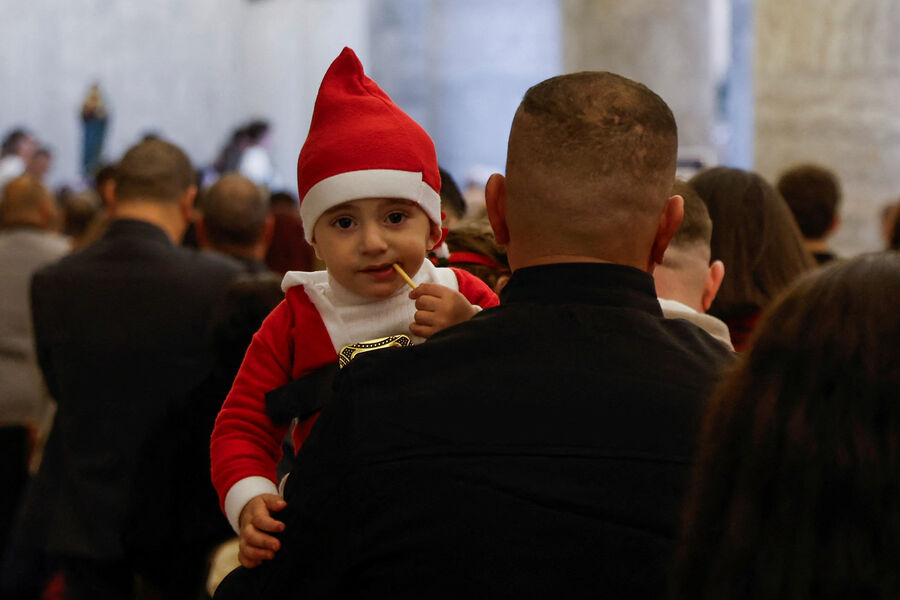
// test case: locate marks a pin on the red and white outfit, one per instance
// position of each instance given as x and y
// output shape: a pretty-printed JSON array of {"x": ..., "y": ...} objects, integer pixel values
[
  {"x": 360, "y": 145},
  {"x": 305, "y": 332}
]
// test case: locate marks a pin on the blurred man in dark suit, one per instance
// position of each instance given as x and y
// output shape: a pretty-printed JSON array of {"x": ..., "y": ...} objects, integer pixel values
[{"x": 121, "y": 338}]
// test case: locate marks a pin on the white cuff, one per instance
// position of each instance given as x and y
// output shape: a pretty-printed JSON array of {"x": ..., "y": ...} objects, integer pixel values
[{"x": 241, "y": 493}]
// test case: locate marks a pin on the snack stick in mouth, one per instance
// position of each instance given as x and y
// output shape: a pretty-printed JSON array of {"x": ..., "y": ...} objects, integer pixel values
[{"x": 403, "y": 274}]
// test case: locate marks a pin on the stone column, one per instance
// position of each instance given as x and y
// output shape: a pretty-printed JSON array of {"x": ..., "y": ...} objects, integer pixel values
[
  {"x": 460, "y": 67},
  {"x": 827, "y": 83},
  {"x": 662, "y": 44}
]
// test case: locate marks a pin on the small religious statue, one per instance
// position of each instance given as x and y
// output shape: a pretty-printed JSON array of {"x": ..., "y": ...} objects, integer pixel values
[{"x": 94, "y": 117}]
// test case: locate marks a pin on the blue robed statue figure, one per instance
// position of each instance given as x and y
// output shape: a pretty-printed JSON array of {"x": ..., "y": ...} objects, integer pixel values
[{"x": 94, "y": 116}]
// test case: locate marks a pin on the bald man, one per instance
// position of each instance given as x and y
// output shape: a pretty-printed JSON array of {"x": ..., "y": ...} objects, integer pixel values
[
  {"x": 235, "y": 221},
  {"x": 540, "y": 449}
]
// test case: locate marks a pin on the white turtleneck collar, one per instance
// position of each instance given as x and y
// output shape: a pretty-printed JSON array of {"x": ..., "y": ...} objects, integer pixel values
[{"x": 351, "y": 318}]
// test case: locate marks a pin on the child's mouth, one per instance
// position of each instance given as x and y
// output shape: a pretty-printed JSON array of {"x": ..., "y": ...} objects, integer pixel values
[{"x": 380, "y": 272}]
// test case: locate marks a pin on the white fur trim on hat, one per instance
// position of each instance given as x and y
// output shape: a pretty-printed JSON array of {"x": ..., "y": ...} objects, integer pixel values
[{"x": 369, "y": 183}]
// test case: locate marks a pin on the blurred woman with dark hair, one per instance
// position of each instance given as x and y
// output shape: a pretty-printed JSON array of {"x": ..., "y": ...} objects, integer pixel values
[
  {"x": 796, "y": 488},
  {"x": 756, "y": 236}
]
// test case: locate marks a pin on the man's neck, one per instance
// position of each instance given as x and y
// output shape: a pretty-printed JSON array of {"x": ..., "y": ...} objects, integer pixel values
[
  {"x": 817, "y": 246},
  {"x": 163, "y": 215}
]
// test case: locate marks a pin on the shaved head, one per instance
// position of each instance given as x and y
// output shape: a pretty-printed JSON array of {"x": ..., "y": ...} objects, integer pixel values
[{"x": 590, "y": 165}]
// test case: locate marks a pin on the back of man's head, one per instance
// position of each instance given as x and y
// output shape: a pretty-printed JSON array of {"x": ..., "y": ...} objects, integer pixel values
[
  {"x": 26, "y": 201},
  {"x": 813, "y": 193},
  {"x": 590, "y": 164},
  {"x": 234, "y": 212},
  {"x": 686, "y": 274},
  {"x": 153, "y": 170}
]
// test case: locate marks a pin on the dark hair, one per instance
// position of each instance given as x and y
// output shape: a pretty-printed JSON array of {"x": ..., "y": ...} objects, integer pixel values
[
  {"x": 153, "y": 170},
  {"x": 283, "y": 198},
  {"x": 234, "y": 211},
  {"x": 812, "y": 193},
  {"x": 795, "y": 487},
  {"x": 12, "y": 140},
  {"x": 475, "y": 237},
  {"x": 104, "y": 174},
  {"x": 755, "y": 236},
  {"x": 452, "y": 201},
  {"x": 79, "y": 211},
  {"x": 696, "y": 226},
  {"x": 246, "y": 302},
  {"x": 256, "y": 130}
]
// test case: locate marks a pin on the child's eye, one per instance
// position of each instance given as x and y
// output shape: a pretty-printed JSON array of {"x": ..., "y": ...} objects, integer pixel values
[
  {"x": 396, "y": 218},
  {"x": 343, "y": 222}
]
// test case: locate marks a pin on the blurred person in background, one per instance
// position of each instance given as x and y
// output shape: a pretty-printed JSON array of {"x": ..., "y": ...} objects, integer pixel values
[
  {"x": 288, "y": 249},
  {"x": 256, "y": 163},
  {"x": 687, "y": 280},
  {"x": 890, "y": 215},
  {"x": 15, "y": 153},
  {"x": 794, "y": 493},
  {"x": 28, "y": 241},
  {"x": 756, "y": 237},
  {"x": 120, "y": 331},
  {"x": 235, "y": 221},
  {"x": 813, "y": 194},
  {"x": 40, "y": 164},
  {"x": 453, "y": 204},
  {"x": 472, "y": 247}
]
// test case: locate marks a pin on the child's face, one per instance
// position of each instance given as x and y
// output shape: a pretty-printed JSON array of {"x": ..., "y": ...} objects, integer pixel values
[{"x": 359, "y": 240}]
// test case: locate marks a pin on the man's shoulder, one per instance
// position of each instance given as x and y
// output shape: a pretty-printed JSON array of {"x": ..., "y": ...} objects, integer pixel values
[{"x": 212, "y": 262}]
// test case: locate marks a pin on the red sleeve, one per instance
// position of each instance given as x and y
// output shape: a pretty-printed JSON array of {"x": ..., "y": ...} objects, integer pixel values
[
  {"x": 475, "y": 290},
  {"x": 291, "y": 343}
]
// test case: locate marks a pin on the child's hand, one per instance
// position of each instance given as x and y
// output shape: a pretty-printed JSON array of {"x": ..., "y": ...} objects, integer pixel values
[
  {"x": 438, "y": 307},
  {"x": 255, "y": 544}
]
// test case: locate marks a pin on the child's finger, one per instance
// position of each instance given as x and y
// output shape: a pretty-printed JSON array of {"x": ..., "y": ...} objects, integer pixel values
[
  {"x": 425, "y": 317},
  {"x": 259, "y": 539},
  {"x": 251, "y": 556},
  {"x": 264, "y": 522},
  {"x": 424, "y": 331},
  {"x": 427, "y": 289},
  {"x": 428, "y": 303}
]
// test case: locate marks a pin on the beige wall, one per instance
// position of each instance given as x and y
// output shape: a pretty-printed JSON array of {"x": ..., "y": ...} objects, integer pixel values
[
  {"x": 664, "y": 44},
  {"x": 827, "y": 89}
]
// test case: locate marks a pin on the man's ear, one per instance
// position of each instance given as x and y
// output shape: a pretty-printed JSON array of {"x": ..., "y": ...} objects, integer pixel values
[
  {"x": 108, "y": 192},
  {"x": 833, "y": 226},
  {"x": 714, "y": 278},
  {"x": 200, "y": 230},
  {"x": 186, "y": 204},
  {"x": 108, "y": 196},
  {"x": 495, "y": 202},
  {"x": 669, "y": 221},
  {"x": 268, "y": 231}
]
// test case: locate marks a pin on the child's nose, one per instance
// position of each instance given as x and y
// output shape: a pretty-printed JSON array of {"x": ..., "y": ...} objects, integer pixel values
[{"x": 373, "y": 239}]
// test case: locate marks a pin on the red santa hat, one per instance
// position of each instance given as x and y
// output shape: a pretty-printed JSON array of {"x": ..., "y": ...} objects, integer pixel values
[{"x": 361, "y": 145}]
